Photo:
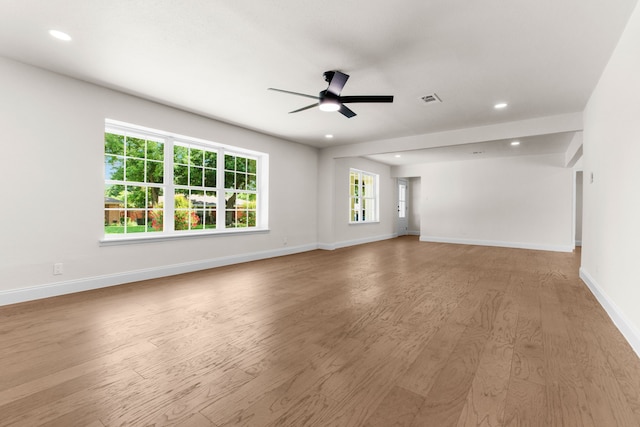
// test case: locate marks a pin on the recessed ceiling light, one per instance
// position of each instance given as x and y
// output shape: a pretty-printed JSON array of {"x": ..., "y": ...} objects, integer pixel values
[
  {"x": 397, "y": 156},
  {"x": 500, "y": 105},
  {"x": 328, "y": 136},
  {"x": 514, "y": 143},
  {"x": 60, "y": 35}
]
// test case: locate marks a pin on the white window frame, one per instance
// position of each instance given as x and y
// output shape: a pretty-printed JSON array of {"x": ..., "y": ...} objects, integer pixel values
[
  {"x": 168, "y": 187},
  {"x": 374, "y": 197}
]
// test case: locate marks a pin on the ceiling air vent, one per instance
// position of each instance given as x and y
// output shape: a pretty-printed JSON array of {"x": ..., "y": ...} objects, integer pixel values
[{"x": 432, "y": 97}]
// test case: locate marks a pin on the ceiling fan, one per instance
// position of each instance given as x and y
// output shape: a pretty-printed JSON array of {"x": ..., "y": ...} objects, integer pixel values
[{"x": 330, "y": 99}]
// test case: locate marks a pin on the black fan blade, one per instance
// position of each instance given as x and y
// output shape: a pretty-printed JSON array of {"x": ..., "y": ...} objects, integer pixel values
[
  {"x": 367, "y": 98},
  {"x": 346, "y": 111},
  {"x": 294, "y": 93},
  {"x": 336, "y": 82},
  {"x": 305, "y": 108}
]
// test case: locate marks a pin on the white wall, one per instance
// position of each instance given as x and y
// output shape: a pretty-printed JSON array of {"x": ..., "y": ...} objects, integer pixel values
[
  {"x": 51, "y": 169},
  {"x": 524, "y": 202},
  {"x": 611, "y": 222},
  {"x": 415, "y": 191},
  {"x": 579, "y": 191}
]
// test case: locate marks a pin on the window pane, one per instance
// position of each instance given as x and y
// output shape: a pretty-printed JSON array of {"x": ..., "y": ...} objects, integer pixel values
[
  {"x": 196, "y": 157},
  {"x": 113, "y": 221},
  {"x": 155, "y": 150},
  {"x": 136, "y": 197},
  {"x": 229, "y": 162},
  {"x": 155, "y": 172},
  {"x": 180, "y": 154},
  {"x": 155, "y": 197},
  {"x": 197, "y": 199},
  {"x": 252, "y": 166},
  {"x": 210, "y": 159},
  {"x": 181, "y": 175},
  {"x": 230, "y": 219},
  {"x": 241, "y": 181},
  {"x": 210, "y": 218},
  {"x": 114, "y": 195},
  {"x": 196, "y": 220},
  {"x": 210, "y": 199},
  {"x": 230, "y": 200},
  {"x": 210, "y": 177},
  {"x": 241, "y": 164},
  {"x": 135, "y": 147},
  {"x": 113, "y": 168},
  {"x": 252, "y": 219},
  {"x": 229, "y": 180},
  {"x": 113, "y": 144},
  {"x": 136, "y": 221},
  {"x": 156, "y": 220},
  {"x": 369, "y": 208},
  {"x": 181, "y": 219},
  {"x": 135, "y": 170},
  {"x": 195, "y": 178},
  {"x": 181, "y": 199},
  {"x": 241, "y": 218},
  {"x": 251, "y": 182}
]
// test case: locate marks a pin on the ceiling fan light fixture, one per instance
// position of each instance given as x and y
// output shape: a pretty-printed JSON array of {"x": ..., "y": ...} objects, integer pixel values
[
  {"x": 329, "y": 105},
  {"x": 60, "y": 35}
]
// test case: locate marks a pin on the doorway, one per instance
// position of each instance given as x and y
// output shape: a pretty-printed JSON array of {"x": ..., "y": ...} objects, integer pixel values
[
  {"x": 403, "y": 209},
  {"x": 578, "y": 208}
]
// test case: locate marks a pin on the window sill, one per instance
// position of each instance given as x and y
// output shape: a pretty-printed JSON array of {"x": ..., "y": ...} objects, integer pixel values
[
  {"x": 135, "y": 239},
  {"x": 364, "y": 222}
]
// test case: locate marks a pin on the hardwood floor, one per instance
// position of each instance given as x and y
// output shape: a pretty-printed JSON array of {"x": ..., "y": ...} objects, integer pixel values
[{"x": 394, "y": 333}]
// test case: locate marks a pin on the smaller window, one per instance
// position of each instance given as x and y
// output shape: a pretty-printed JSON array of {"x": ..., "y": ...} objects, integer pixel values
[{"x": 363, "y": 196}]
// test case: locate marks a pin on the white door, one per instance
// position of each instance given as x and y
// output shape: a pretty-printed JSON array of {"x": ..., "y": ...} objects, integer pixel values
[{"x": 403, "y": 221}]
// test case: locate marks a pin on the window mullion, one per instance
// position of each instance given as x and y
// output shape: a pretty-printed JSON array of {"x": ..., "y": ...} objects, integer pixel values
[
  {"x": 169, "y": 192},
  {"x": 221, "y": 215},
  {"x": 361, "y": 195}
]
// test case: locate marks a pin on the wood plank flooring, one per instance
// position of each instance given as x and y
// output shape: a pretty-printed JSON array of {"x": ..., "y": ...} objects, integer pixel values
[{"x": 393, "y": 333}]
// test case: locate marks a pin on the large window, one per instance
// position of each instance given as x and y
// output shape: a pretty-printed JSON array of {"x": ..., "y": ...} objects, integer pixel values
[
  {"x": 363, "y": 196},
  {"x": 168, "y": 184}
]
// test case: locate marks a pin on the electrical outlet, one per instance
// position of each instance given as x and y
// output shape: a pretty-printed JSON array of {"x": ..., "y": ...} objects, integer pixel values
[{"x": 58, "y": 268}]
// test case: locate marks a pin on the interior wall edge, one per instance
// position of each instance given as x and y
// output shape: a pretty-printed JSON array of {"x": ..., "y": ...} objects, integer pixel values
[
  {"x": 14, "y": 296},
  {"x": 354, "y": 242},
  {"x": 626, "y": 327},
  {"x": 513, "y": 245}
]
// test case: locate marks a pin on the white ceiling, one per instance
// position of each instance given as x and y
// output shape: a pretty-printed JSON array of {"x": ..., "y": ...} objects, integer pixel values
[
  {"x": 217, "y": 58},
  {"x": 533, "y": 145}
]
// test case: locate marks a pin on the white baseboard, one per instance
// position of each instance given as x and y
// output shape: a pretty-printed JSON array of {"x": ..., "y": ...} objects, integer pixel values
[
  {"x": 413, "y": 232},
  {"x": 516, "y": 245},
  {"x": 578, "y": 242},
  {"x": 346, "y": 243},
  {"x": 72, "y": 286},
  {"x": 631, "y": 334}
]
